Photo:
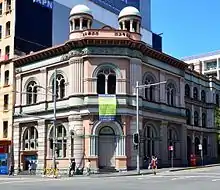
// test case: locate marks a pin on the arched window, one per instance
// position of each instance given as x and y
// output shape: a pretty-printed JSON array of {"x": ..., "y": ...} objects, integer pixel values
[
  {"x": 187, "y": 90},
  {"x": 203, "y": 96},
  {"x": 60, "y": 88},
  {"x": 30, "y": 139},
  {"x": 149, "y": 145},
  {"x": 171, "y": 94},
  {"x": 195, "y": 93},
  {"x": 188, "y": 116},
  {"x": 172, "y": 140},
  {"x": 203, "y": 120},
  {"x": 197, "y": 143},
  {"x": 60, "y": 139},
  {"x": 196, "y": 118},
  {"x": 106, "y": 81},
  {"x": 32, "y": 93},
  {"x": 8, "y": 29},
  {"x": 217, "y": 99},
  {"x": 149, "y": 92}
]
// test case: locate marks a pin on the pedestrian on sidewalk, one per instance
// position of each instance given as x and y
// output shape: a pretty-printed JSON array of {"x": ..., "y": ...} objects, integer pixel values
[
  {"x": 88, "y": 167},
  {"x": 153, "y": 164},
  {"x": 72, "y": 168}
]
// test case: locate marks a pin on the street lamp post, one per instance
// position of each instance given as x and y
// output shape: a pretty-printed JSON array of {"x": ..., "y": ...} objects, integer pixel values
[{"x": 137, "y": 117}]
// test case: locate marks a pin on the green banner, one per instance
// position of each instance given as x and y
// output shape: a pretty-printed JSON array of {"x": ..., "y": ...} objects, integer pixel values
[{"x": 107, "y": 107}]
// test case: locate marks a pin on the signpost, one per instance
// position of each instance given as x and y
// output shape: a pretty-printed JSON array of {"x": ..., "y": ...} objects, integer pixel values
[
  {"x": 201, "y": 152},
  {"x": 171, "y": 150}
]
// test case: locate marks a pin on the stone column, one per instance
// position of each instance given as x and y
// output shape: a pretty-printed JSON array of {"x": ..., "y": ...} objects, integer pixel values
[
  {"x": 131, "y": 26},
  {"x": 80, "y": 23},
  {"x": 138, "y": 28},
  {"x": 123, "y": 25},
  {"x": 76, "y": 123},
  {"x": 135, "y": 67},
  {"x": 17, "y": 146},
  {"x": 42, "y": 146},
  {"x": 184, "y": 144},
  {"x": 200, "y": 117},
  {"x": 163, "y": 144},
  {"x": 73, "y": 25},
  {"x": 88, "y": 24}
]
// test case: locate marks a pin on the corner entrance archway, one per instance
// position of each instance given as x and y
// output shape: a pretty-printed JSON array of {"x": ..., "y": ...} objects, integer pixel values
[{"x": 106, "y": 147}]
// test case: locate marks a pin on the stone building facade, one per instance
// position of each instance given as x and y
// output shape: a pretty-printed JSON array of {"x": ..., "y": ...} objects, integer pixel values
[{"x": 109, "y": 61}]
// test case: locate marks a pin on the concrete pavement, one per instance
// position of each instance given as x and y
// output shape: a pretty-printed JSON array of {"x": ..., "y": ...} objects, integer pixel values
[{"x": 198, "y": 179}]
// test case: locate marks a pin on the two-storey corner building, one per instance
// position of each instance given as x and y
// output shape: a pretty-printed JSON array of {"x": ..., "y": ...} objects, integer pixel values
[
  {"x": 92, "y": 63},
  {"x": 6, "y": 113},
  {"x": 201, "y": 99}
]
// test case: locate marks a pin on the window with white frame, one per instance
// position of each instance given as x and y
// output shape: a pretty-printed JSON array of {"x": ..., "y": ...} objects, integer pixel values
[
  {"x": 60, "y": 140},
  {"x": 32, "y": 93},
  {"x": 30, "y": 139},
  {"x": 60, "y": 86},
  {"x": 149, "y": 92},
  {"x": 171, "y": 94},
  {"x": 106, "y": 81}
]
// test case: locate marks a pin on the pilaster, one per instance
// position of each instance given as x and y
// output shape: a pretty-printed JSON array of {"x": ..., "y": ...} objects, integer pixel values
[
  {"x": 184, "y": 144},
  {"x": 76, "y": 80},
  {"x": 42, "y": 149},
  {"x": 18, "y": 100},
  {"x": 182, "y": 92},
  {"x": 163, "y": 143},
  {"x": 162, "y": 87},
  {"x": 76, "y": 123},
  {"x": 17, "y": 146}
]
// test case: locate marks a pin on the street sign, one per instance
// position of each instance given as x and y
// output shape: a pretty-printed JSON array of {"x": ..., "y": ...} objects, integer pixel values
[
  {"x": 200, "y": 147},
  {"x": 170, "y": 148}
]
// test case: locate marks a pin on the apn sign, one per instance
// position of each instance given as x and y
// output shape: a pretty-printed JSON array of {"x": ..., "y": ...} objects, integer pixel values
[{"x": 45, "y": 3}]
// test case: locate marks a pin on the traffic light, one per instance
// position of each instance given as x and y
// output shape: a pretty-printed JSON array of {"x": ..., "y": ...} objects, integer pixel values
[{"x": 136, "y": 138}]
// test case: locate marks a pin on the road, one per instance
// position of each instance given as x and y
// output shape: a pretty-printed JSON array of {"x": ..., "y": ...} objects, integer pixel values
[{"x": 197, "y": 179}]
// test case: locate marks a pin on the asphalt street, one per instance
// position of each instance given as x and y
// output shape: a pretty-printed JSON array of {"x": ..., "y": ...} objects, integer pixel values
[{"x": 196, "y": 179}]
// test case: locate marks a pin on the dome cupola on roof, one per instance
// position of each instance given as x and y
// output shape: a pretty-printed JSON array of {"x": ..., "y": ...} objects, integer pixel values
[
  {"x": 130, "y": 19},
  {"x": 80, "y": 9},
  {"x": 80, "y": 19},
  {"x": 129, "y": 11}
]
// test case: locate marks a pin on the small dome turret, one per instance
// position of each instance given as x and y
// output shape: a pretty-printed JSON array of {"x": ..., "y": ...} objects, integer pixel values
[
  {"x": 130, "y": 19},
  {"x": 80, "y": 18}
]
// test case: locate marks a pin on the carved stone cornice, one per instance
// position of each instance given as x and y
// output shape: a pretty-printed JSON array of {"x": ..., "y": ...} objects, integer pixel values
[{"x": 74, "y": 118}]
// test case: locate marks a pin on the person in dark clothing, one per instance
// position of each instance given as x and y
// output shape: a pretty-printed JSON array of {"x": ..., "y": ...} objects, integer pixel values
[{"x": 72, "y": 167}]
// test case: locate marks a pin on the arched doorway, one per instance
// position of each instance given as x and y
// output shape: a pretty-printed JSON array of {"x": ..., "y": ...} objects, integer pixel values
[
  {"x": 106, "y": 147},
  {"x": 189, "y": 148}
]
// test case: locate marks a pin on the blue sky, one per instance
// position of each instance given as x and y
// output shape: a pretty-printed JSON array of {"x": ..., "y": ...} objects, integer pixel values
[{"x": 189, "y": 27}]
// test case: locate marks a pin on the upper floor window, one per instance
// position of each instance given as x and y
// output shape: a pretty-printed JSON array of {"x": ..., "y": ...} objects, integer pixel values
[
  {"x": 0, "y": 9},
  {"x": 203, "y": 96},
  {"x": 188, "y": 116},
  {"x": 203, "y": 120},
  {"x": 106, "y": 81},
  {"x": 217, "y": 99},
  {"x": 8, "y": 29},
  {"x": 7, "y": 51},
  {"x": 149, "y": 92},
  {"x": 32, "y": 93},
  {"x": 196, "y": 118},
  {"x": 6, "y": 101},
  {"x": 0, "y": 32},
  {"x": 195, "y": 93},
  {"x": 187, "y": 90},
  {"x": 60, "y": 86},
  {"x": 171, "y": 94},
  {"x": 8, "y": 5},
  {"x": 7, "y": 78}
]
